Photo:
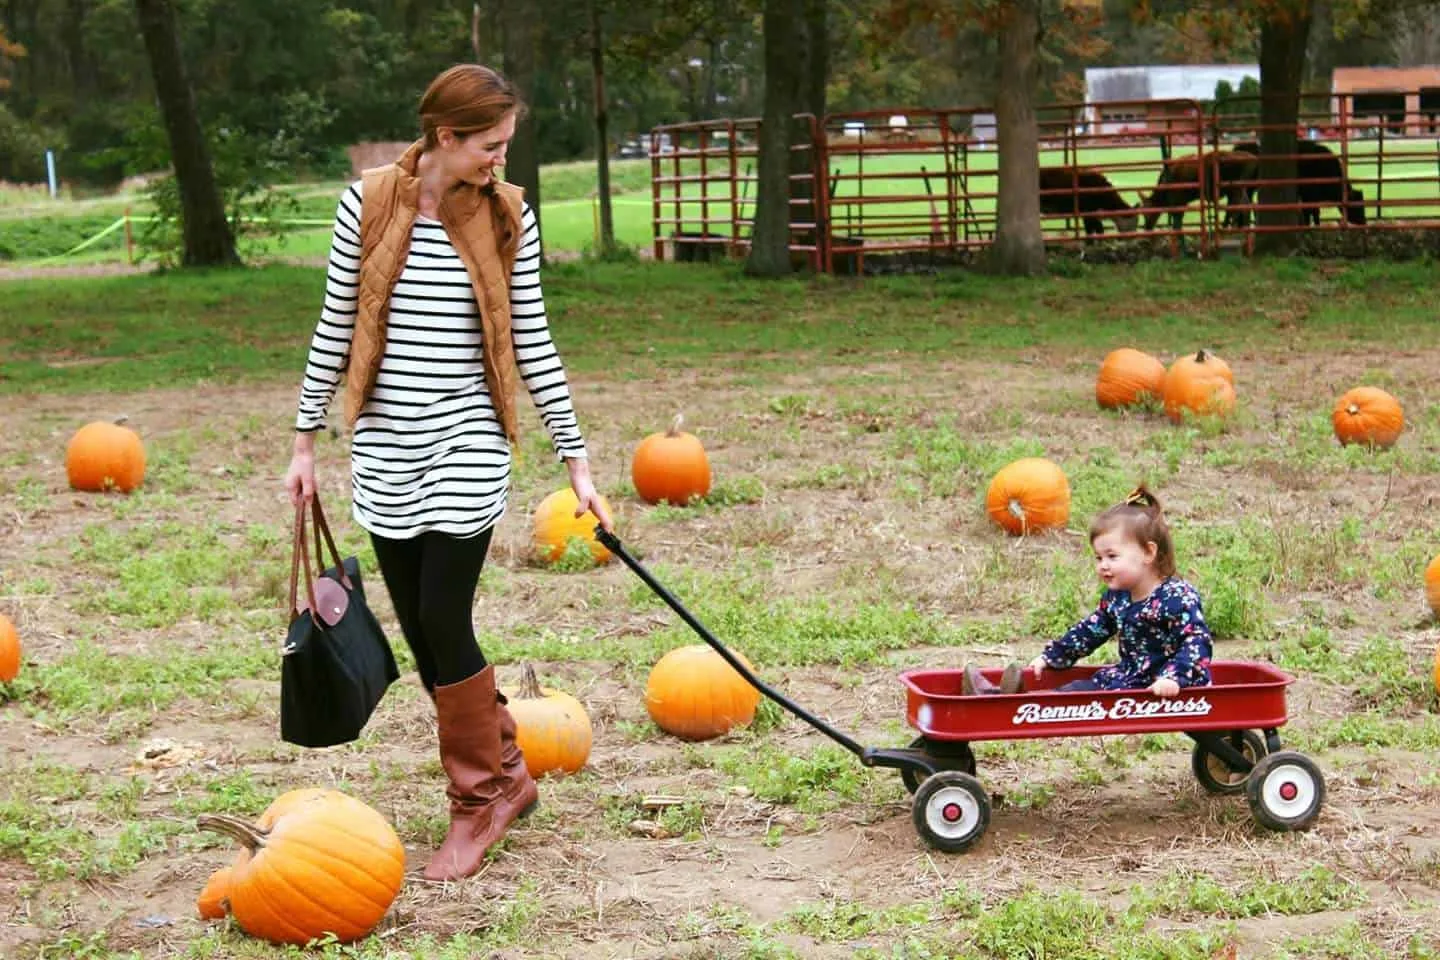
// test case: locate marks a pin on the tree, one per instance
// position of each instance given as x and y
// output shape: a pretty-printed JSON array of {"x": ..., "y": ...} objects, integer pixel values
[
  {"x": 602, "y": 140},
  {"x": 521, "y": 39},
  {"x": 9, "y": 53},
  {"x": 208, "y": 239},
  {"x": 1019, "y": 246},
  {"x": 1284, "y": 33},
  {"x": 784, "y": 32}
]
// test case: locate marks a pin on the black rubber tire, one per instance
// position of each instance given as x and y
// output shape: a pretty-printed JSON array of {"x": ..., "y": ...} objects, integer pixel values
[
  {"x": 1282, "y": 772},
  {"x": 1212, "y": 772},
  {"x": 951, "y": 811},
  {"x": 953, "y": 754}
]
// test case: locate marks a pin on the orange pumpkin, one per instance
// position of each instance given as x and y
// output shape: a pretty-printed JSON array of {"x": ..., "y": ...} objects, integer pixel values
[
  {"x": 1368, "y": 415},
  {"x": 1128, "y": 377},
  {"x": 213, "y": 902},
  {"x": 103, "y": 456},
  {"x": 1029, "y": 494},
  {"x": 694, "y": 694},
  {"x": 317, "y": 862},
  {"x": 552, "y": 728},
  {"x": 670, "y": 467},
  {"x": 1200, "y": 383},
  {"x": 1436, "y": 677},
  {"x": 555, "y": 523},
  {"x": 1432, "y": 585},
  {"x": 9, "y": 650}
]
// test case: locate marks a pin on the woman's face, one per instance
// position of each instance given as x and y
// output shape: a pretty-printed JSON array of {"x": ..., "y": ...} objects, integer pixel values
[{"x": 473, "y": 157}]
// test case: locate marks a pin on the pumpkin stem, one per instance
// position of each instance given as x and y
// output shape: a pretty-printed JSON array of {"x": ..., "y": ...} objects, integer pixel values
[
  {"x": 1352, "y": 409},
  {"x": 1200, "y": 356},
  {"x": 251, "y": 836},
  {"x": 674, "y": 430},
  {"x": 529, "y": 685}
]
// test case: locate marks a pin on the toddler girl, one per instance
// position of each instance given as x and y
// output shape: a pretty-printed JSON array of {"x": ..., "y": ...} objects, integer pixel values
[{"x": 1164, "y": 642}]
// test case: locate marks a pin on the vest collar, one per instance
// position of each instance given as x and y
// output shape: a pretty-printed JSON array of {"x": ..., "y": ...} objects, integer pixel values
[{"x": 460, "y": 202}]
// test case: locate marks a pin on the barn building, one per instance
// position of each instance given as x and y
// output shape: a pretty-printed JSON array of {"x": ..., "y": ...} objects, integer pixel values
[
  {"x": 1405, "y": 99},
  {"x": 1111, "y": 93}
]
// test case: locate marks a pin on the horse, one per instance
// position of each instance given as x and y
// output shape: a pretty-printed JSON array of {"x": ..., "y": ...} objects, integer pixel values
[
  {"x": 1317, "y": 163},
  {"x": 1184, "y": 179},
  {"x": 1088, "y": 194}
]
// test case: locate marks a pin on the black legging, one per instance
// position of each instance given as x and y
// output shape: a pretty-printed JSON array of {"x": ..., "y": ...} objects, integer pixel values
[{"x": 431, "y": 579}]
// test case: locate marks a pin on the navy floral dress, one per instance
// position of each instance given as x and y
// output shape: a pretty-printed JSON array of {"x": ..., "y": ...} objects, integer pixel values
[{"x": 1163, "y": 635}]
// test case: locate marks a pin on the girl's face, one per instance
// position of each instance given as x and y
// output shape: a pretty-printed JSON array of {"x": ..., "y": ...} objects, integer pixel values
[
  {"x": 1124, "y": 563},
  {"x": 474, "y": 157}
]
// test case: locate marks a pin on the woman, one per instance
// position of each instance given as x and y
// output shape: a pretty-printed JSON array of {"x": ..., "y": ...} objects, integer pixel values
[{"x": 433, "y": 310}]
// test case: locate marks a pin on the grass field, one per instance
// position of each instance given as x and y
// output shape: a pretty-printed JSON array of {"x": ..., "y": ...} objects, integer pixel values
[{"x": 852, "y": 428}]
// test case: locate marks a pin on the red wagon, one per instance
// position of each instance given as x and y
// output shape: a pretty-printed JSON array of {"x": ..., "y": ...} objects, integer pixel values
[{"x": 1234, "y": 723}]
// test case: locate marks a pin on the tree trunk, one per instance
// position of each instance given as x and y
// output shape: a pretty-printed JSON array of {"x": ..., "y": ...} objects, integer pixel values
[
  {"x": 522, "y": 165},
  {"x": 1019, "y": 246},
  {"x": 475, "y": 31},
  {"x": 208, "y": 241},
  {"x": 1284, "y": 33},
  {"x": 602, "y": 140},
  {"x": 808, "y": 173},
  {"x": 784, "y": 30}
]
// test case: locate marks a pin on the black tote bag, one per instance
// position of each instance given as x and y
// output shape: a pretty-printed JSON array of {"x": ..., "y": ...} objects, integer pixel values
[{"x": 336, "y": 661}]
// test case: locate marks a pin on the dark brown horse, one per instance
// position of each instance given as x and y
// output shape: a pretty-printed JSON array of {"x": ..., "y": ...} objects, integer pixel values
[
  {"x": 1184, "y": 179},
  {"x": 1087, "y": 194},
  {"x": 1318, "y": 164}
]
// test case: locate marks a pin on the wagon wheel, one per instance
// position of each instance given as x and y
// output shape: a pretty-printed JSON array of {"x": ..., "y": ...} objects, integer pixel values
[
  {"x": 1214, "y": 774},
  {"x": 952, "y": 754},
  {"x": 1285, "y": 791},
  {"x": 951, "y": 810}
]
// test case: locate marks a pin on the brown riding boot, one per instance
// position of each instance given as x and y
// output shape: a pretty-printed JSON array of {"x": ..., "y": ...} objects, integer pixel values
[{"x": 483, "y": 800}]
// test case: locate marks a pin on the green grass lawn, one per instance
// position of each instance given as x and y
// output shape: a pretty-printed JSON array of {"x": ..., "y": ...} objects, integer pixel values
[{"x": 141, "y": 331}]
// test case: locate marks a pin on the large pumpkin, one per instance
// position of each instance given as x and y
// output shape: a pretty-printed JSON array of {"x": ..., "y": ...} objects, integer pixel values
[
  {"x": 103, "y": 456},
  {"x": 1200, "y": 383},
  {"x": 9, "y": 650},
  {"x": 1029, "y": 494},
  {"x": 1368, "y": 415},
  {"x": 214, "y": 900},
  {"x": 670, "y": 467},
  {"x": 317, "y": 862},
  {"x": 555, "y": 523},
  {"x": 695, "y": 694},
  {"x": 552, "y": 728},
  {"x": 1128, "y": 377},
  {"x": 1432, "y": 585}
]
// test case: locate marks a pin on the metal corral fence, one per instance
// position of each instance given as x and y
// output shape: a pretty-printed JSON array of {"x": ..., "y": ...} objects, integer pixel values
[{"x": 925, "y": 183}]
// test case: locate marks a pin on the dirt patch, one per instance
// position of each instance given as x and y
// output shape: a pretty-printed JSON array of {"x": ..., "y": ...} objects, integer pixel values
[{"x": 858, "y": 491}]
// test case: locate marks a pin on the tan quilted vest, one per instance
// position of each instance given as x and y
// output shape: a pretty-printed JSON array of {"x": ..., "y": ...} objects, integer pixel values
[{"x": 389, "y": 206}]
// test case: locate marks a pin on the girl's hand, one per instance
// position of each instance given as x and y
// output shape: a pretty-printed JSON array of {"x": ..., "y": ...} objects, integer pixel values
[
  {"x": 1164, "y": 687},
  {"x": 1037, "y": 665},
  {"x": 585, "y": 493}
]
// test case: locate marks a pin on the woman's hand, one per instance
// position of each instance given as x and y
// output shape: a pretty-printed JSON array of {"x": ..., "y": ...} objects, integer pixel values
[
  {"x": 589, "y": 499},
  {"x": 1037, "y": 665},
  {"x": 300, "y": 478},
  {"x": 1164, "y": 687}
]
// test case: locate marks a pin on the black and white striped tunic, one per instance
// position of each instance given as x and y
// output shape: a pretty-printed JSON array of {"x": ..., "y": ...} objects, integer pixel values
[{"x": 429, "y": 452}]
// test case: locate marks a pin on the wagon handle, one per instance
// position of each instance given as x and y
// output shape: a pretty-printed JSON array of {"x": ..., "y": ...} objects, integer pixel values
[{"x": 612, "y": 543}]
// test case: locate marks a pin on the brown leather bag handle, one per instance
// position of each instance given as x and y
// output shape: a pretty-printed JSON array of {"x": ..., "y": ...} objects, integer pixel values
[
  {"x": 298, "y": 551},
  {"x": 299, "y": 554},
  {"x": 323, "y": 529}
]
